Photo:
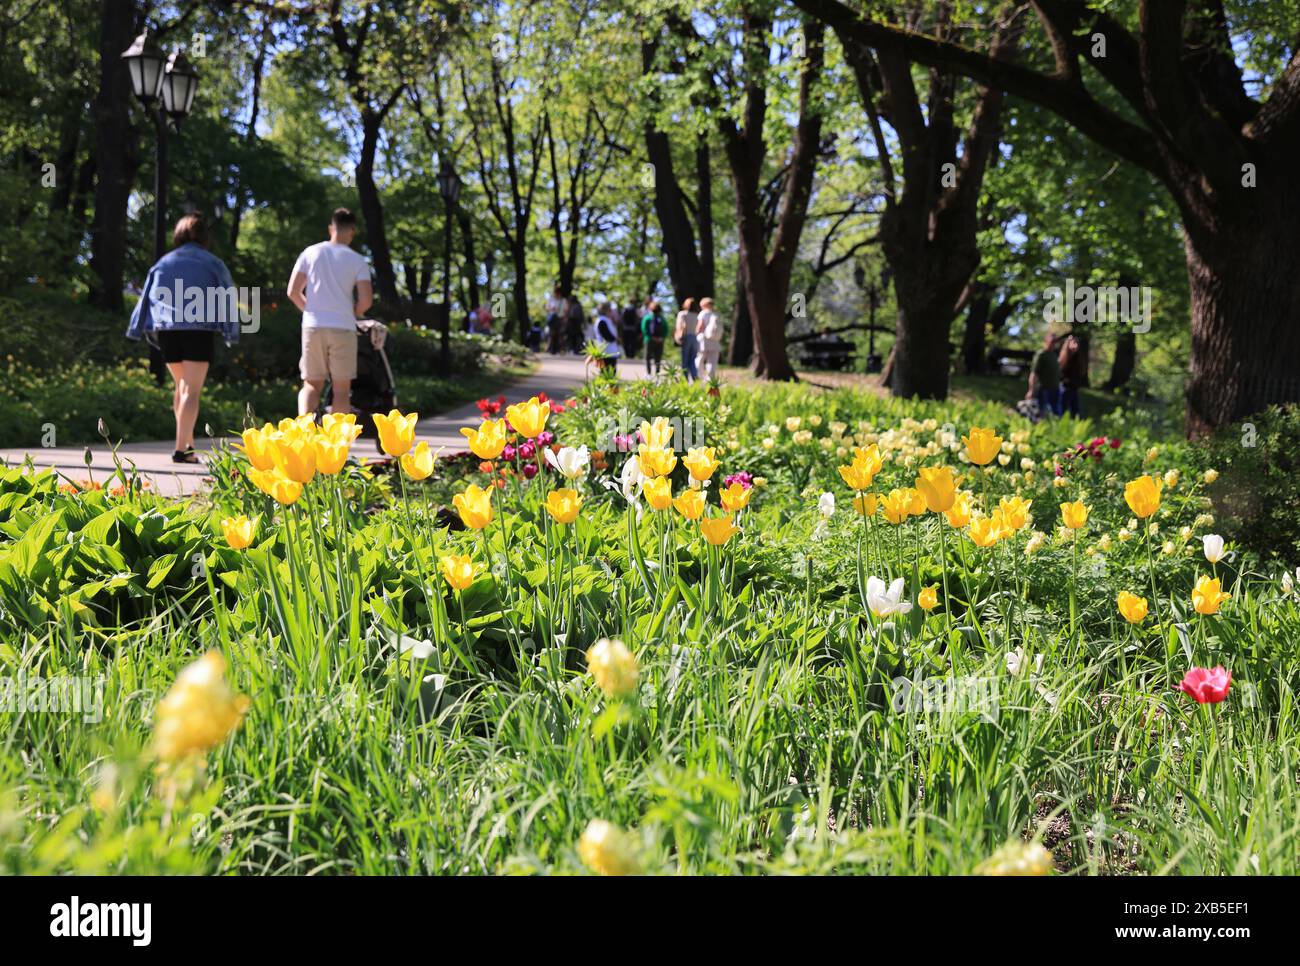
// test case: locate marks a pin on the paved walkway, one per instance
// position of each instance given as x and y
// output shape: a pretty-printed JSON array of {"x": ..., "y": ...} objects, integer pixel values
[{"x": 557, "y": 376}]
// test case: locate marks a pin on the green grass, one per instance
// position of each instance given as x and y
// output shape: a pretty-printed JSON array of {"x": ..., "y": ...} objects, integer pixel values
[{"x": 770, "y": 731}]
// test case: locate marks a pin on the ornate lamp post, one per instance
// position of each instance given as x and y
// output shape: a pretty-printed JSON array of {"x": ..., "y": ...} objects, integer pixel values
[
  {"x": 167, "y": 92},
  {"x": 449, "y": 188}
]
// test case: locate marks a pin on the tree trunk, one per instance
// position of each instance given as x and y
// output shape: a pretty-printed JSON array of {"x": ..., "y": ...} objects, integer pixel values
[
  {"x": 742, "y": 331},
  {"x": 372, "y": 209},
  {"x": 519, "y": 254},
  {"x": 1125, "y": 361},
  {"x": 921, "y": 352},
  {"x": 974, "y": 340},
  {"x": 115, "y": 161},
  {"x": 1245, "y": 308},
  {"x": 471, "y": 260}
]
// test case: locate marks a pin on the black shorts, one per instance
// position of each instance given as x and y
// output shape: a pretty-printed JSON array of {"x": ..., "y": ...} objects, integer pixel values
[{"x": 187, "y": 346}]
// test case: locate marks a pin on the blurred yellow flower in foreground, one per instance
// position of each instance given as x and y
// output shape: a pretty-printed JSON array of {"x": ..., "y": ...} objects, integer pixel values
[
  {"x": 198, "y": 712},
  {"x": 608, "y": 850},
  {"x": 1017, "y": 858},
  {"x": 613, "y": 667},
  {"x": 928, "y": 599}
]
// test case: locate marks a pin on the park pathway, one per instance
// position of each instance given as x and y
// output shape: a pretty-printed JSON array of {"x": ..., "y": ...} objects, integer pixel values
[{"x": 557, "y": 376}]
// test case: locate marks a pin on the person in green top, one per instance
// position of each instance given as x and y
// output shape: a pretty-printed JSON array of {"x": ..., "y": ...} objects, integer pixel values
[
  {"x": 1045, "y": 378},
  {"x": 655, "y": 328}
]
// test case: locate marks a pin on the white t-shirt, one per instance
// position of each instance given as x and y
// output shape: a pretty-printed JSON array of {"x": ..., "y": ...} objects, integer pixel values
[
  {"x": 332, "y": 271},
  {"x": 711, "y": 333}
]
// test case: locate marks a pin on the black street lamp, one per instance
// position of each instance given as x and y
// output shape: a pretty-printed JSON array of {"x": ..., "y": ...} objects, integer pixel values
[
  {"x": 449, "y": 188},
  {"x": 166, "y": 91}
]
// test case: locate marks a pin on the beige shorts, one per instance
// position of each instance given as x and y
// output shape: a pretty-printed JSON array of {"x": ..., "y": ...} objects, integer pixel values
[{"x": 328, "y": 353}]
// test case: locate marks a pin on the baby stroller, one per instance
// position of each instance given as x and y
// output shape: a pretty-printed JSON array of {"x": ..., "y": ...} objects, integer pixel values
[{"x": 373, "y": 389}]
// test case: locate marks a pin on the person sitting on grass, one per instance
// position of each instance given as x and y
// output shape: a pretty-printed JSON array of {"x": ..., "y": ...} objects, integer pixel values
[{"x": 187, "y": 298}]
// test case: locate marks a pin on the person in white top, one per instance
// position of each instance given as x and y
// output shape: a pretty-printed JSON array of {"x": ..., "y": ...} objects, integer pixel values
[
  {"x": 708, "y": 328},
  {"x": 321, "y": 286}
]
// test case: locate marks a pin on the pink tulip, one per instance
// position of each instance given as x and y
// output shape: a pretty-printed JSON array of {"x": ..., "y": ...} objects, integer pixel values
[
  {"x": 530, "y": 470},
  {"x": 1206, "y": 685}
]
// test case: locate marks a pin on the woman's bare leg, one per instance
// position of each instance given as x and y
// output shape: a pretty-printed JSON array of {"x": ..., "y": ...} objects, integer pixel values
[{"x": 189, "y": 377}]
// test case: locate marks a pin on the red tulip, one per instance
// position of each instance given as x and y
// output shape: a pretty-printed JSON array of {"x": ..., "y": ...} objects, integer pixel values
[{"x": 1206, "y": 685}]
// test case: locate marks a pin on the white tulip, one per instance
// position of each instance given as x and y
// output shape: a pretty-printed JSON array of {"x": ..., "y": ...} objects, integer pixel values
[
  {"x": 826, "y": 505},
  {"x": 1213, "y": 547},
  {"x": 884, "y": 603},
  {"x": 571, "y": 463}
]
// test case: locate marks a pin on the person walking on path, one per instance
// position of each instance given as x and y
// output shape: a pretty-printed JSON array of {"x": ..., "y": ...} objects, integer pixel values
[
  {"x": 631, "y": 321},
  {"x": 321, "y": 285},
  {"x": 654, "y": 329},
  {"x": 684, "y": 336},
  {"x": 1045, "y": 378},
  {"x": 1074, "y": 372},
  {"x": 606, "y": 336},
  {"x": 708, "y": 328},
  {"x": 176, "y": 311}
]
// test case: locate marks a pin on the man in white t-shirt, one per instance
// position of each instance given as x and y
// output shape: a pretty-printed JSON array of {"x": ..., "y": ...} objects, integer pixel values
[{"x": 321, "y": 286}]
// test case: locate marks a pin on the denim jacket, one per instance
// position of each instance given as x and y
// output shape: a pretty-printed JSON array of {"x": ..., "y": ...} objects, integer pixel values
[{"x": 188, "y": 290}]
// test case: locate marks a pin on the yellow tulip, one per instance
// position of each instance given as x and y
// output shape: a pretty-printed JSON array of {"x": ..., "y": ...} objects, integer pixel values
[
  {"x": 701, "y": 463},
  {"x": 488, "y": 440},
  {"x": 865, "y": 504},
  {"x": 276, "y": 485},
  {"x": 869, "y": 458},
  {"x": 658, "y": 433},
  {"x": 895, "y": 505},
  {"x": 198, "y": 712},
  {"x": 257, "y": 447},
  {"x": 331, "y": 453},
  {"x": 690, "y": 504},
  {"x": 1143, "y": 496},
  {"x": 1208, "y": 594},
  {"x": 528, "y": 419},
  {"x": 419, "y": 463},
  {"x": 396, "y": 431},
  {"x": 960, "y": 513},
  {"x": 457, "y": 570},
  {"x": 717, "y": 530},
  {"x": 1132, "y": 607},
  {"x": 474, "y": 507},
  {"x": 658, "y": 492},
  {"x": 295, "y": 456},
  {"x": 735, "y": 497},
  {"x": 937, "y": 487},
  {"x": 607, "y": 849},
  {"x": 342, "y": 426},
  {"x": 982, "y": 445},
  {"x": 1015, "y": 511},
  {"x": 613, "y": 667},
  {"x": 1074, "y": 515},
  {"x": 984, "y": 532},
  {"x": 656, "y": 460},
  {"x": 928, "y": 599},
  {"x": 238, "y": 531},
  {"x": 857, "y": 475},
  {"x": 563, "y": 505}
]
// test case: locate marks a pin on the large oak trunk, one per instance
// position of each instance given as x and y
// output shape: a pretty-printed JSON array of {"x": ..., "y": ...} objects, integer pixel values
[
  {"x": 115, "y": 161},
  {"x": 1245, "y": 287},
  {"x": 372, "y": 210}
]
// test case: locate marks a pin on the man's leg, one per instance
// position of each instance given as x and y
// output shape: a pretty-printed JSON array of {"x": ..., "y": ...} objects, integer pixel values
[
  {"x": 343, "y": 368},
  {"x": 309, "y": 395}
]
